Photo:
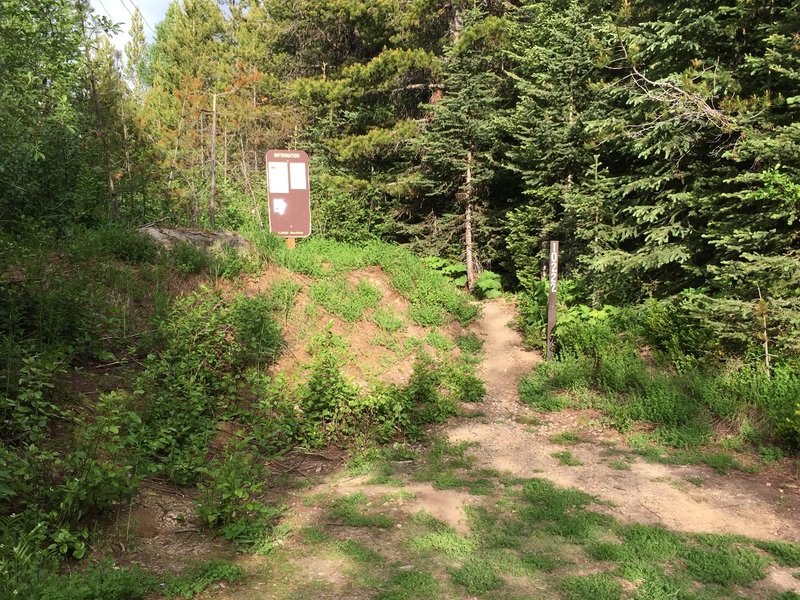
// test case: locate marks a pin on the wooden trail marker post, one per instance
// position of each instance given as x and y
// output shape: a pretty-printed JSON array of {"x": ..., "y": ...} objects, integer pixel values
[
  {"x": 552, "y": 281},
  {"x": 288, "y": 194}
]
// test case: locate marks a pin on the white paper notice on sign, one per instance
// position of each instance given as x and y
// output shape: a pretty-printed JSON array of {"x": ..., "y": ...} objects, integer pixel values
[
  {"x": 278, "y": 177},
  {"x": 297, "y": 172}
]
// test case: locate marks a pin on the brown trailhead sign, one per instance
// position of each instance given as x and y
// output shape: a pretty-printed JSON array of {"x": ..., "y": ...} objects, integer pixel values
[{"x": 288, "y": 192}]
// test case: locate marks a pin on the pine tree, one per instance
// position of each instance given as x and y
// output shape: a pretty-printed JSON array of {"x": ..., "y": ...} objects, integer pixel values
[
  {"x": 136, "y": 55},
  {"x": 461, "y": 144}
]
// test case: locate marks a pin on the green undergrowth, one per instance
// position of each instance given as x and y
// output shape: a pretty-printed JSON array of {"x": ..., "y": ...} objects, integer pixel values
[
  {"x": 107, "y": 581},
  {"x": 612, "y": 360},
  {"x": 433, "y": 297},
  {"x": 334, "y": 409},
  {"x": 528, "y": 538},
  {"x": 347, "y": 301},
  {"x": 177, "y": 370}
]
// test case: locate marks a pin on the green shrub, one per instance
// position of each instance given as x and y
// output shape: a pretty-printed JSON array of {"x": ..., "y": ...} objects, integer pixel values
[
  {"x": 779, "y": 397},
  {"x": 488, "y": 285},
  {"x": 193, "y": 377},
  {"x": 189, "y": 259},
  {"x": 258, "y": 335},
  {"x": 335, "y": 409},
  {"x": 464, "y": 384},
  {"x": 276, "y": 421},
  {"x": 422, "y": 392},
  {"x": 326, "y": 396},
  {"x": 426, "y": 315},
  {"x": 100, "y": 468},
  {"x": 229, "y": 488},
  {"x": 229, "y": 263}
]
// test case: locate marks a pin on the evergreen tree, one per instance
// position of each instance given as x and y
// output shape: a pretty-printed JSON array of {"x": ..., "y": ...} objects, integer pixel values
[
  {"x": 136, "y": 55},
  {"x": 461, "y": 146}
]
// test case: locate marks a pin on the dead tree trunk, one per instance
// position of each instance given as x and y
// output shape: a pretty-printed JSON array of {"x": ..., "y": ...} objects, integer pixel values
[
  {"x": 127, "y": 156},
  {"x": 212, "y": 206},
  {"x": 468, "y": 224},
  {"x": 103, "y": 134},
  {"x": 256, "y": 208}
]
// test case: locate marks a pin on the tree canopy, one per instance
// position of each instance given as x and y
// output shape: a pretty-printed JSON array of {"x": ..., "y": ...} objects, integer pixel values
[{"x": 659, "y": 144}]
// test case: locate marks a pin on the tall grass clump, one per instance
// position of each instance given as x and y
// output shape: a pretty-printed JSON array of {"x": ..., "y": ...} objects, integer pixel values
[{"x": 634, "y": 364}]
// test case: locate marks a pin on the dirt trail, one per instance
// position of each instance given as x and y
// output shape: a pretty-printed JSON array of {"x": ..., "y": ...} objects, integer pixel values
[{"x": 691, "y": 499}]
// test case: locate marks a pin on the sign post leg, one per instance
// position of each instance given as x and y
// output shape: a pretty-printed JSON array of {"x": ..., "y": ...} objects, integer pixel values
[
  {"x": 552, "y": 283},
  {"x": 290, "y": 243}
]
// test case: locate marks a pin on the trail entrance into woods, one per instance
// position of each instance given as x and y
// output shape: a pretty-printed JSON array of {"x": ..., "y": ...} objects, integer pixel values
[
  {"x": 646, "y": 493},
  {"x": 351, "y": 535}
]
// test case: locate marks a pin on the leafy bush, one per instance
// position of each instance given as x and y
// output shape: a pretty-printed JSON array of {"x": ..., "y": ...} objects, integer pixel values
[
  {"x": 229, "y": 486},
  {"x": 488, "y": 285},
  {"x": 100, "y": 468},
  {"x": 197, "y": 373},
  {"x": 326, "y": 395},
  {"x": 189, "y": 259},
  {"x": 257, "y": 334},
  {"x": 464, "y": 384},
  {"x": 422, "y": 392},
  {"x": 276, "y": 419},
  {"x": 229, "y": 263}
]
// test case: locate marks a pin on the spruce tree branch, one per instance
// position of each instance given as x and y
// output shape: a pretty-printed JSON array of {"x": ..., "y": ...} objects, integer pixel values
[
  {"x": 419, "y": 86},
  {"x": 683, "y": 105},
  {"x": 681, "y": 101}
]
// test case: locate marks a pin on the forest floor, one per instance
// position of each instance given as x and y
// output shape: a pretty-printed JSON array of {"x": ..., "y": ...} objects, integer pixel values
[{"x": 489, "y": 508}]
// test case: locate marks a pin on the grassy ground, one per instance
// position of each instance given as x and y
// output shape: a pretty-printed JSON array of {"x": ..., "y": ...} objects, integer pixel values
[{"x": 519, "y": 538}]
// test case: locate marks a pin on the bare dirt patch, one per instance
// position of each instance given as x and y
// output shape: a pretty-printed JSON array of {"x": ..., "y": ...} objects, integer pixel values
[{"x": 162, "y": 532}]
